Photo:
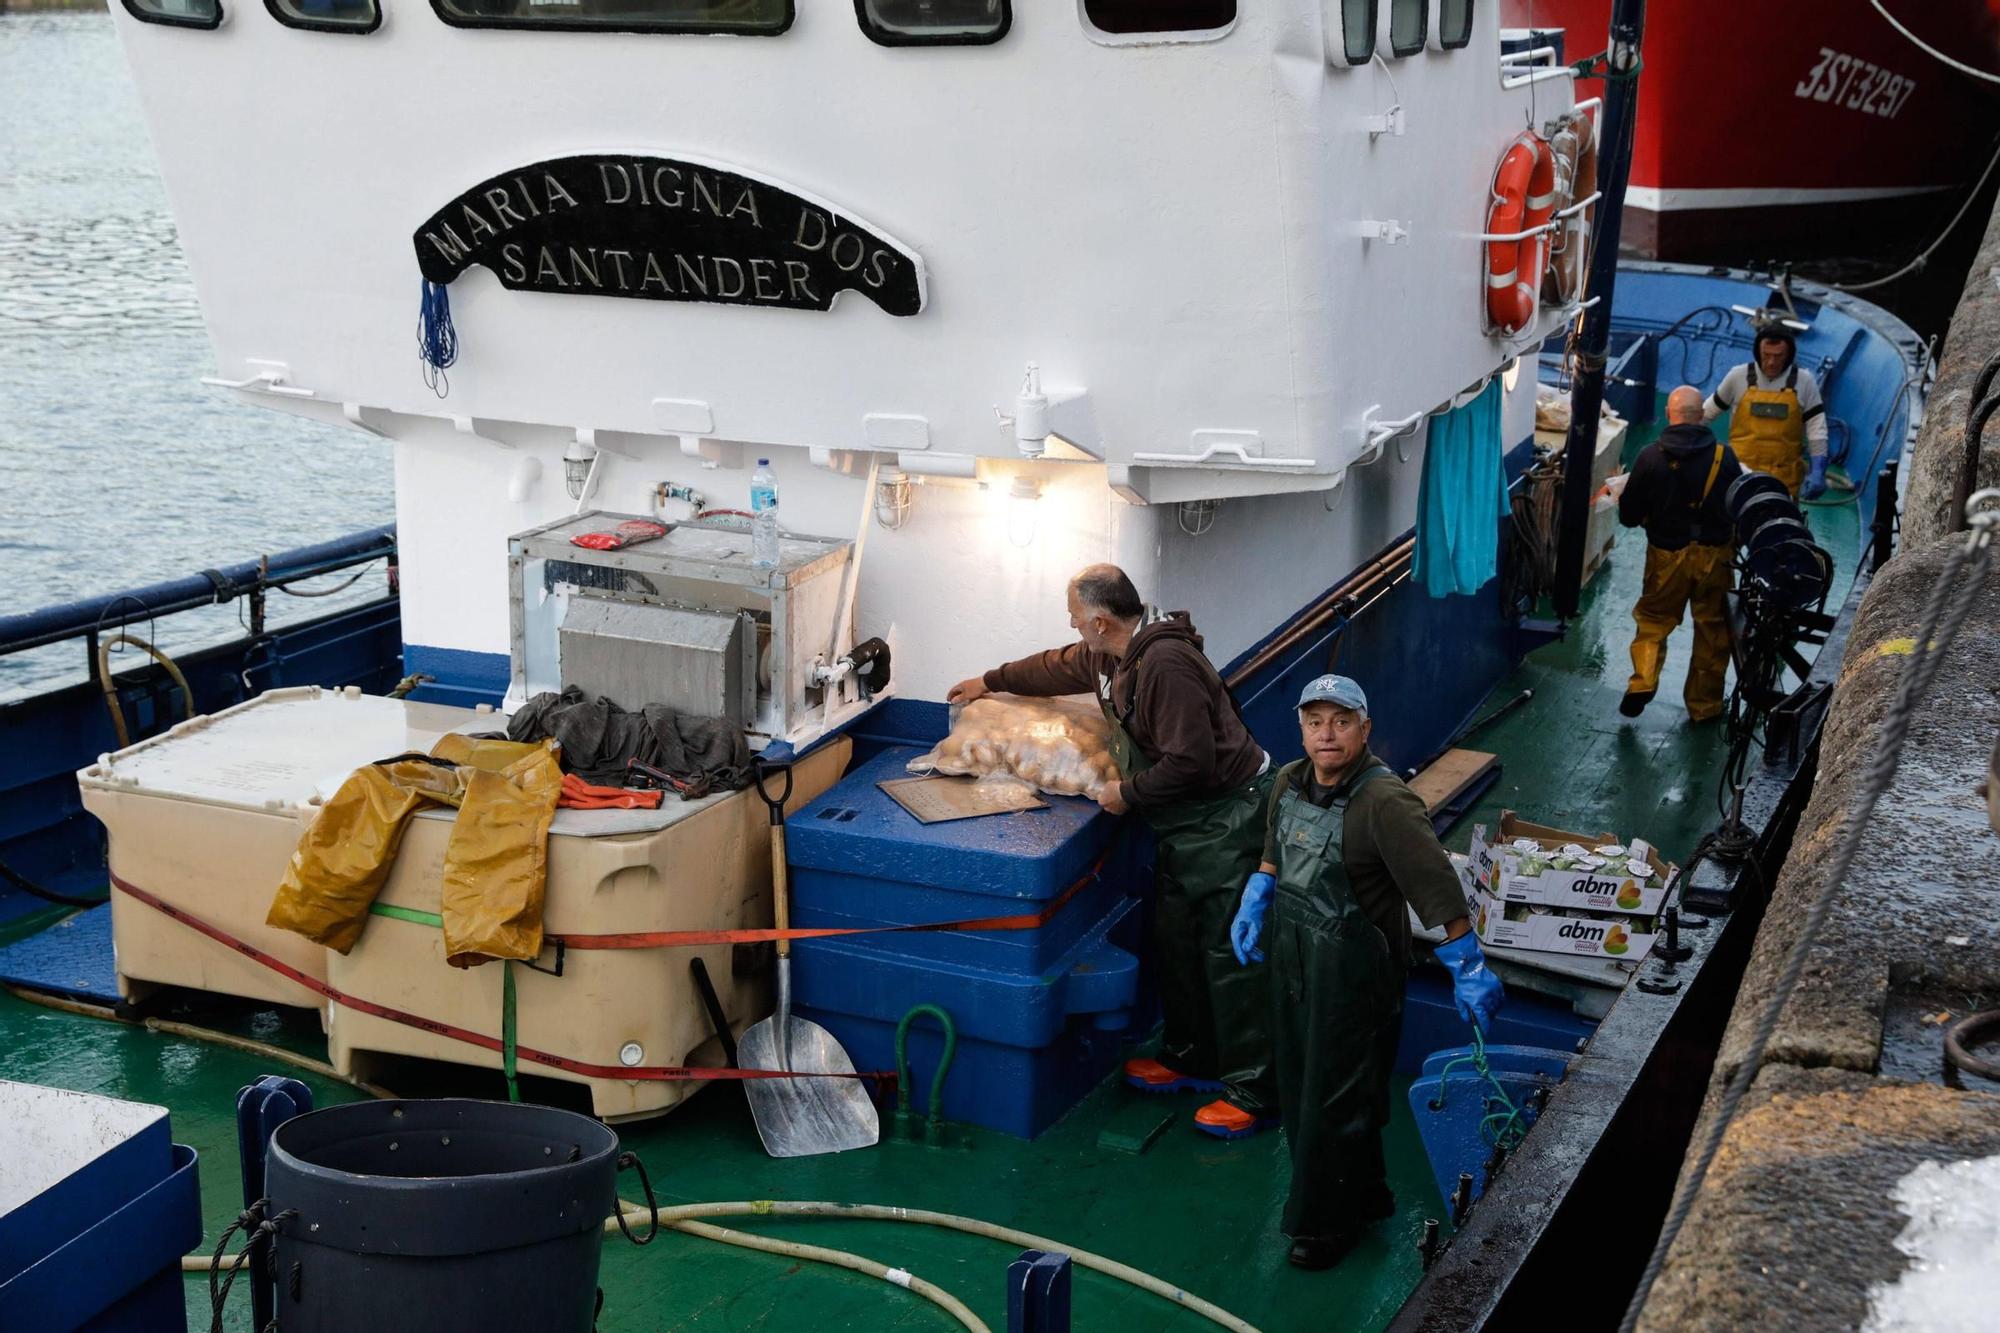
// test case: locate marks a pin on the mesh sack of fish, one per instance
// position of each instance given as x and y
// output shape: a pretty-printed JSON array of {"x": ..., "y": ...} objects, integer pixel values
[{"x": 1059, "y": 746}]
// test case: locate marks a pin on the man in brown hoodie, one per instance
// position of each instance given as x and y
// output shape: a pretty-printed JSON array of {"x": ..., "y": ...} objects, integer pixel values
[{"x": 1192, "y": 770}]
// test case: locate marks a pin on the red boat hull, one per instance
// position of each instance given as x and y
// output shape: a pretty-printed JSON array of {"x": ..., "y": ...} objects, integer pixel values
[{"x": 1812, "y": 126}]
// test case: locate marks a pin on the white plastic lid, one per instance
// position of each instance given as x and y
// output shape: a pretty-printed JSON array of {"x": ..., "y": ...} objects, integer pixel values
[{"x": 282, "y": 748}]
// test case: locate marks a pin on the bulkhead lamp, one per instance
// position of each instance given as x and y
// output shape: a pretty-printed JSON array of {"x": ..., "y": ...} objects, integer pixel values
[{"x": 1023, "y": 499}]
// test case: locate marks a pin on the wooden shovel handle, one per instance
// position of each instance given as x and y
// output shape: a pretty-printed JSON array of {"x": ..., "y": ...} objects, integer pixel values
[{"x": 781, "y": 888}]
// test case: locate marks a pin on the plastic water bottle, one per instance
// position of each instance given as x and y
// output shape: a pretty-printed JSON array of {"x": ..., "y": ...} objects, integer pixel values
[{"x": 764, "y": 515}]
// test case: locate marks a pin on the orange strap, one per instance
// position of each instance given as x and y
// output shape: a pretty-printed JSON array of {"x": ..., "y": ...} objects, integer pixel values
[
  {"x": 636, "y": 1073},
  {"x": 680, "y": 939},
  {"x": 580, "y": 795},
  {"x": 653, "y": 940}
]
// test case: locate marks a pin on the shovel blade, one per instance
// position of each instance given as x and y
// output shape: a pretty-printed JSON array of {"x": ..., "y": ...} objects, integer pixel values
[{"x": 803, "y": 1117}]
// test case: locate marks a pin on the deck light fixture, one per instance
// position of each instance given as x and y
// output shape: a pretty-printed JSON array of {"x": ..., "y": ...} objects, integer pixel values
[
  {"x": 1023, "y": 499},
  {"x": 579, "y": 461}
]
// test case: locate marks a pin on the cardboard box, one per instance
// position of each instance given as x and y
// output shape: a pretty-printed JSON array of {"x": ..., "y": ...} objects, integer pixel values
[
  {"x": 1549, "y": 878},
  {"x": 1596, "y": 934}
]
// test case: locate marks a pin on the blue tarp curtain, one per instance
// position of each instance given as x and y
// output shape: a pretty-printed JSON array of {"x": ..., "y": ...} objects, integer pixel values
[{"x": 1464, "y": 498}]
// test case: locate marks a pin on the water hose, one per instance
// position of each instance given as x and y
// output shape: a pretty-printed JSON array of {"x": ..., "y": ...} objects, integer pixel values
[
  {"x": 972, "y": 1226},
  {"x": 791, "y": 1249},
  {"x": 109, "y": 685},
  {"x": 934, "y": 1122}
]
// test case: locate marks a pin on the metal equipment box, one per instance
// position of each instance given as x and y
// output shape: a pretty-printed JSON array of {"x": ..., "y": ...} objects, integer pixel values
[{"x": 687, "y": 619}]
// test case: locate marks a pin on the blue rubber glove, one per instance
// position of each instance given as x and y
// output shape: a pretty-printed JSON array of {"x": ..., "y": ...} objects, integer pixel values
[
  {"x": 1815, "y": 483},
  {"x": 1478, "y": 992},
  {"x": 1243, "y": 931}
]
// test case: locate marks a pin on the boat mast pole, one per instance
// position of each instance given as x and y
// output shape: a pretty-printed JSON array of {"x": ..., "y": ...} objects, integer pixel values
[{"x": 1621, "y": 111}]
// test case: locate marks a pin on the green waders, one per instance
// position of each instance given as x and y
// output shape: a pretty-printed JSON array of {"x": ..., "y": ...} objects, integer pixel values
[
  {"x": 1217, "y": 1012},
  {"x": 1338, "y": 1014}
]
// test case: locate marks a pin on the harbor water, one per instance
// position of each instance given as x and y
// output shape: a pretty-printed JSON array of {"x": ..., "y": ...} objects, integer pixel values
[{"x": 118, "y": 468}]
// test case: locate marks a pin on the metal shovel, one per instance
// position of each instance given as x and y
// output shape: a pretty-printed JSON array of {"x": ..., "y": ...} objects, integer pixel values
[{"x": 807, "y": 1115}]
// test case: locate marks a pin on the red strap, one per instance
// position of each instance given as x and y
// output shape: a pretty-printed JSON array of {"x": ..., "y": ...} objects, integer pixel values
[
  {"x": 635, "y": 1073},
  {"x": 677, "y": 939}
]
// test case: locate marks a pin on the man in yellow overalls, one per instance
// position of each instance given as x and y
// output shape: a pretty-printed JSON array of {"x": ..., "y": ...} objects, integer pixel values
[
  {"x": 1675, "y": 492},
  {"x": 1777, "y": 420}
]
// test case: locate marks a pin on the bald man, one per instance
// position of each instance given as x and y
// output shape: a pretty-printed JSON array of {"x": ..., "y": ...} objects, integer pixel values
[
  {"x": 1675, "y": 492},
  {"x": 1200, "y": 780}
]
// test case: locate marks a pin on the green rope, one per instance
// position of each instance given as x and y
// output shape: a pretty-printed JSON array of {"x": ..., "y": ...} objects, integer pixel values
[
  {"x": 507, "y": 1029},
  {"x": 508, "y": 1042},
  {"x": 409, "y": 914},
  {"x": 936, "y": 1116},
  {"x": 1502, "y": 1126}
]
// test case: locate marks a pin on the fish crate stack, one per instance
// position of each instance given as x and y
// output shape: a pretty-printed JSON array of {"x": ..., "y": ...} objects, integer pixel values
[{"x": 1528, "y": 886}]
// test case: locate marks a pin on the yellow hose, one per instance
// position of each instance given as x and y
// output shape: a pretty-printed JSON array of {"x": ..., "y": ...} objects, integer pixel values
[
  {"x": 110, "y": 686},
  {"x": 672, "y": 1217},
  {"x": 937, "y": 1295}
]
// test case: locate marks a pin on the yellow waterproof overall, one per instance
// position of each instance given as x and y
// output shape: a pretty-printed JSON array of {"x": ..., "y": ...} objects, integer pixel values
[
  {"x": 495, "y": 864},
  {"x": 1696, "y": 577},
  {"x": 1767, "y": 429}
]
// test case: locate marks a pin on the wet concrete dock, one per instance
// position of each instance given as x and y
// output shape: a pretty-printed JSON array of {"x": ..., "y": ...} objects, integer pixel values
[{"x": 1797, "y": 1222}]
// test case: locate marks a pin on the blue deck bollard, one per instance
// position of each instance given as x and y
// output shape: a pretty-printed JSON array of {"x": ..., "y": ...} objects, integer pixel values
[
  {"x": 260, "y": 1109},
  {"x": 1038, "y": 1293}
]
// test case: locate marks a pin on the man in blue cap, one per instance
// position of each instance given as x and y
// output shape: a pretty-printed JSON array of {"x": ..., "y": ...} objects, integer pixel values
[{"x": 1347, "y": 844}]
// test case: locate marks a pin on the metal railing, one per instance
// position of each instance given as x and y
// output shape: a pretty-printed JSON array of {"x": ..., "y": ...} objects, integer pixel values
[{"x": 250, "y": 580}]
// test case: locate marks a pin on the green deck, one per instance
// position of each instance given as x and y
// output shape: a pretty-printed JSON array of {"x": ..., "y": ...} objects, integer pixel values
[{"x": 1194, "y": 1211}]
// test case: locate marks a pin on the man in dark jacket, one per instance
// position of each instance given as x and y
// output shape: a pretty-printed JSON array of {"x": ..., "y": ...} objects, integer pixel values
[
  {"x": 1191, "y": 769},
  {"x": 1675, "y": 492}
]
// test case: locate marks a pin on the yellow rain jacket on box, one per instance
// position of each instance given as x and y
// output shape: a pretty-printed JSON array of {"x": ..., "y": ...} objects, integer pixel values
[{"x": 495, "y": 864}]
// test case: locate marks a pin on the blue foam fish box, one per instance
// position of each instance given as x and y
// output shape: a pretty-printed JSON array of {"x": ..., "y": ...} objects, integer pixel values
[
  {"x": 97, "y": 1206},
  {"x": 1042, "y": 1013}
]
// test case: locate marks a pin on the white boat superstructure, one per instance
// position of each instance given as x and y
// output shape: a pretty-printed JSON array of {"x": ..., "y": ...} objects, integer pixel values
[{"x": 1086, "y": 267}]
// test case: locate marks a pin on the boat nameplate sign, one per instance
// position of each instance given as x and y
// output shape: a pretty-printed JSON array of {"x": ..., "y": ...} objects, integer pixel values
[{"x": 665, "y": 229}]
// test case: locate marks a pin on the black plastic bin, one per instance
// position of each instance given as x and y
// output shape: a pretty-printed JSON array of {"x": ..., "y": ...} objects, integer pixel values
[{"x": 438, "y": 1215}]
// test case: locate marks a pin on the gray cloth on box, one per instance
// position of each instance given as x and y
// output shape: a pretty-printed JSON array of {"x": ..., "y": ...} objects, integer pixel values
[{"x": 598, "y": 737}]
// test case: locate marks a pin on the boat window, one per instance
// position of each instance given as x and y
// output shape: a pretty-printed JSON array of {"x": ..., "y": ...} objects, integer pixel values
[
  {"x": 1454, "y": 24},
  {"x": 177, "y": 13},
  {"x": 763, "y": 18},
  {"x": 327, "y": 15},
  {"x": 1138, "y": 16},
  {"x": 1357, "y": 30},
  {"x": 1409, "y": 21},
  {"x": 934, "y": 22}
]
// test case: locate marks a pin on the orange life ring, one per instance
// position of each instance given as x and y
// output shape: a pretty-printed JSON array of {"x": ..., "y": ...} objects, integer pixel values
[
  {"x": 1523, "y": 198},
  {"x": 1569, "y": 243}
]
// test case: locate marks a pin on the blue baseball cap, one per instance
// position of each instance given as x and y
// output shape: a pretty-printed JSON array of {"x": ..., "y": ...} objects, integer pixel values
[{"x": 1340, "y": 691}]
